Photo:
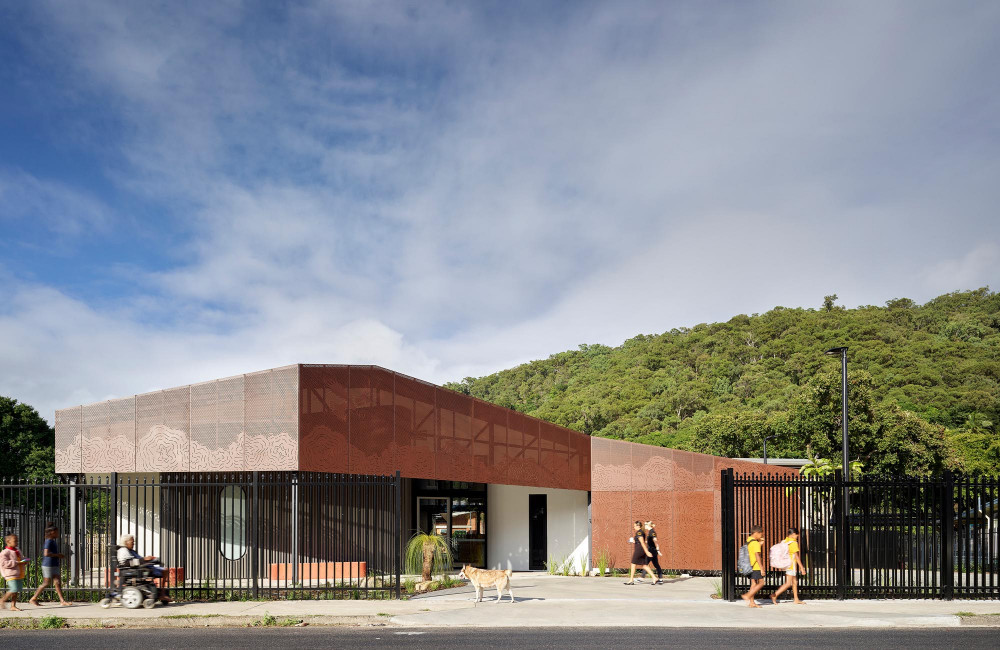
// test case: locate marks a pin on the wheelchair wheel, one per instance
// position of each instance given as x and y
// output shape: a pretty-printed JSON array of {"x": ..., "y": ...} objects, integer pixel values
[
  {"x": 149, "y": 603},
  {"x": 132, "y": 598},
  {"x": 105, "y": 603}
]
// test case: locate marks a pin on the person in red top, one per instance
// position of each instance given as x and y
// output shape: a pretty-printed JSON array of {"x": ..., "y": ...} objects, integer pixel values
[{"x": 12, "y": 567}]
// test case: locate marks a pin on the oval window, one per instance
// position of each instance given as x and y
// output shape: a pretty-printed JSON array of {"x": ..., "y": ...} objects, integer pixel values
[{"x": 233, "y": 508}]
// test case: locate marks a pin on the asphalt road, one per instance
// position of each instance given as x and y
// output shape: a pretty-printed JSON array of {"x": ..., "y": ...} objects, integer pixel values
[{"x": 548, "y": 638}]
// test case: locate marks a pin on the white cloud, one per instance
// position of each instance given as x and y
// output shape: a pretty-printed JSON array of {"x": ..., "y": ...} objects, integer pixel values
[{"x": 446, "y": 193}]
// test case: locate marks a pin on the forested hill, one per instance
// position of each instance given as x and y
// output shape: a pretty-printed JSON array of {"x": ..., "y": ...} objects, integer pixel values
[{"x": 924, "y": 385}]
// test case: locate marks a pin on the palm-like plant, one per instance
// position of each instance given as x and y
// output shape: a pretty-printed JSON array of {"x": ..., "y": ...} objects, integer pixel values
[
  {"x": 822, "y": 467},
  {"x": 428, "y": 553}
]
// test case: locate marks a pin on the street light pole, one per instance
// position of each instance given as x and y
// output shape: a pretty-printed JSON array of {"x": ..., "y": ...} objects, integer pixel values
[{"x": 845, "y": 563}]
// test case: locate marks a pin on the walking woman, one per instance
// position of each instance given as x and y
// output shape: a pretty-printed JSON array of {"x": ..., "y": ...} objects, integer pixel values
[
  {"x": 50, "y": 566},
  {"x": 654, "y": 550},
  {"x": 640, "y": 554}
]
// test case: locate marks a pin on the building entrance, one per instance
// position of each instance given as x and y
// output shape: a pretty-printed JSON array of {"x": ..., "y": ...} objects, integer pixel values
[{"x": 456, "y": 511}]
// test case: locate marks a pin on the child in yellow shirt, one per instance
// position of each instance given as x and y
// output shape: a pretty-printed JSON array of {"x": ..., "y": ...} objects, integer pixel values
[
  {"x": 791, "y": 577},
  {"x": 756, "y": 564}
]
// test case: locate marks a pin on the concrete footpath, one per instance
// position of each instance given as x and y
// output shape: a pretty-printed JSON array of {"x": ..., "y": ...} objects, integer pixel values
[{"x": 545, "y": 601}]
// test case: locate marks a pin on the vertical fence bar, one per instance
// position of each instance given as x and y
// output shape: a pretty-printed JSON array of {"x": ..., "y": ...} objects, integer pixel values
[
  {"x": 948, "y": 538},
  {"x": 254, "y": 526},
  {"x": 728, "y": 536}
]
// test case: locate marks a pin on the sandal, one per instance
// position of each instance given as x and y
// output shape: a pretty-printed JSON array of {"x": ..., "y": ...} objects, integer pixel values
[{"x": 628, "y": 583}]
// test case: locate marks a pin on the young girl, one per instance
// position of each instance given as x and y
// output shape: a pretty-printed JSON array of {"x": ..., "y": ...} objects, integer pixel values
[
  {"x": 50, "y": 566},
  {"x": 12, "y": 567}
]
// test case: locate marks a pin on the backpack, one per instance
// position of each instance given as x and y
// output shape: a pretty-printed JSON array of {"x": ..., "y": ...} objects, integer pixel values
[
  {"x": 743, "y": 566},
  {"x": 779, "y": 556}
]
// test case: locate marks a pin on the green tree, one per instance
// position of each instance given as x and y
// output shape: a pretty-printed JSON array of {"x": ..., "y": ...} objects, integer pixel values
[{"x": 27, "y": 442}]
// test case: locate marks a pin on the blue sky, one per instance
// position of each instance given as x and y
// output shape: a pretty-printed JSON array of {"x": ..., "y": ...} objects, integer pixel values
[{"x": 193, "y": 190}]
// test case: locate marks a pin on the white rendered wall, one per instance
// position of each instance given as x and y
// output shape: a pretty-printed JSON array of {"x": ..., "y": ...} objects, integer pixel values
[
  {"x": 507, "y": 526},
  {"x": 139, "y": 510}
]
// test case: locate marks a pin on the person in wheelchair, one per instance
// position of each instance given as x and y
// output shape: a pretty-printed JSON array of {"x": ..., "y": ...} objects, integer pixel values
[{"x": 135, "y": 567}]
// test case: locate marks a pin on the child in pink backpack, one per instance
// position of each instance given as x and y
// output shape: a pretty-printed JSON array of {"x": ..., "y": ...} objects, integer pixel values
[{"x": 795, "y": 563}]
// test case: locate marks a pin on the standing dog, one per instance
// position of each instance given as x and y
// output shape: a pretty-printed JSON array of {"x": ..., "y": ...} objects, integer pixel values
[{"x": 482, "y": 578}]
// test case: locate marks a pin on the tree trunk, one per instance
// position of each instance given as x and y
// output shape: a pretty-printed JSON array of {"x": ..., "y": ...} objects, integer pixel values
[{"x": 428, "y": 561}]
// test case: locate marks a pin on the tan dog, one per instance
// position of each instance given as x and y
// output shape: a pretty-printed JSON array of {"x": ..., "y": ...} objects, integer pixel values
[{"x": 482, "y": 578}]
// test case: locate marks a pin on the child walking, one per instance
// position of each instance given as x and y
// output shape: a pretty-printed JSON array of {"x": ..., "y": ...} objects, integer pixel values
[
  {"x": 12, "y": 568},
  {"x": 756, "y": 565},
  {"x": 50, "y": 566},
  {"x": 791, "y": 577}
]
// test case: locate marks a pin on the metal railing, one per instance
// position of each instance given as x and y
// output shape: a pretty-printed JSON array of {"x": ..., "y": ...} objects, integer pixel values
[
  {"x": 219, "y": 535},
  {"x": 901, "y": 538}
]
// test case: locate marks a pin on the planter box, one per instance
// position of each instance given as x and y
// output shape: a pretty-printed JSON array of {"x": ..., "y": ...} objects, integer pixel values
[{"x": 320, "y": 571}]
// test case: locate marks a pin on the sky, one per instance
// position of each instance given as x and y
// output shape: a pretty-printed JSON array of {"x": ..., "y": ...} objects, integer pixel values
[{"x": 193, "y": 190}]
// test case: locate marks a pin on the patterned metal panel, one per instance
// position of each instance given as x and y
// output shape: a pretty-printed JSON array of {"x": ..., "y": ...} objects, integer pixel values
[
  {"x": 95, "y": 435},
  {"x": 204, "y": 425},
  {"x": 554, "y": 453},
  {"x": 454, "y": 456},
  {"x": 416, "y": 422},
  {"x": 161, "y": 431},
  {"x": 270, "y": 420},
  {"x": 482, "y": 443},
  {"x": 580, "y": 460},
  {"x": 323, "y": 420},
  {"x": 522, "y": 437},
  {"x": 383, "y": 420},
  {"x": 500, "y": 457},
  {"x": 175, "y": 439},
  {"x": 120, "y": 454},
  {"x": 69, "y": 440},
  {"x": 368, "y": 443}
]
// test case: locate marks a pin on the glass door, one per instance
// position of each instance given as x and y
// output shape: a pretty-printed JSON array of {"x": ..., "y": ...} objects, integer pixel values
[
  {"x": 434, "y": 516},
  {"x": 468, "y": 531}
]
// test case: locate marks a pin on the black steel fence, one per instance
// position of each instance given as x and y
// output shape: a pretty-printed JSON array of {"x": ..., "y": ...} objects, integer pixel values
[
  {"x": 219, "y": 535},
  {"x": 897, "y": 538}
]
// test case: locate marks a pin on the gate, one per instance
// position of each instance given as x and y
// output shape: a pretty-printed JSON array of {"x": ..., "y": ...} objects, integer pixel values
[
  {"x": 219, "y": 535},
  {"x": 897, "y": 538}
]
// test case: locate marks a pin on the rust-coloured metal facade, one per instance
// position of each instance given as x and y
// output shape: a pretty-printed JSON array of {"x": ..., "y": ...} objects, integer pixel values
[
  {"x": 248, "y": 422},
  {"x": 322, "y": 418},
  {"x": 368, "y": 420},
  {"x": 677, "y": 490}
]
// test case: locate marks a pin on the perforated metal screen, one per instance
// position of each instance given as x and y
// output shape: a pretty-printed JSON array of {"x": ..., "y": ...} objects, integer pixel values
[
  {"x": 364, "y": 419},
  {"x": 246, "y": 422}
]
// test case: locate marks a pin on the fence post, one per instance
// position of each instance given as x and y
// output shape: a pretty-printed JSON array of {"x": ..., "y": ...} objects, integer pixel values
[
  {"x": 74, "y": 535},
  {"x": 398, "y": 526},
  {"x": 254, "y": 506},
  {"x": 947, "y": 499},
  {"x": 843, "y": 536},
  {"x": 728, "y": 535},
  {"x": 295, "y": 529}
]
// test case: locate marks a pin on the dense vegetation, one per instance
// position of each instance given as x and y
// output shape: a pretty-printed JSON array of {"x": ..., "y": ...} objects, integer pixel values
[
  {"x": 924, "y": 385},
  {"x": 27, "y": 442}
]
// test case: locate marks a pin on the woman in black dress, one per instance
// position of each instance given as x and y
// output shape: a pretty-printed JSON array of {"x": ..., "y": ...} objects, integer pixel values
[
  {"x": 640, "y": 554},
  {"x": 653, "y": 550}
]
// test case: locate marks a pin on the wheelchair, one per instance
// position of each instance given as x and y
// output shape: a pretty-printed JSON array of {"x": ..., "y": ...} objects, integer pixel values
[{"x": 136, "y": 587}]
